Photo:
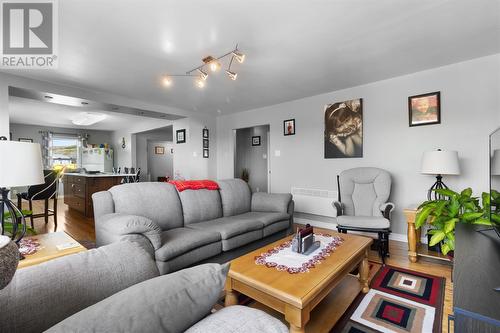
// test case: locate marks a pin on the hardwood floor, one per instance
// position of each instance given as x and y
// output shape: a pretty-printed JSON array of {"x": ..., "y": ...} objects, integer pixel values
[{"x": 82, "y": 228}]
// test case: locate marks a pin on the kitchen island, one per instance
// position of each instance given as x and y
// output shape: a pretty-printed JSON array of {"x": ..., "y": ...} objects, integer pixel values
[{"x": 79, "y": 187}]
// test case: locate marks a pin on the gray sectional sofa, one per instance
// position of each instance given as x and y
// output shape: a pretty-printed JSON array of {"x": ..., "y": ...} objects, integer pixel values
[
  {"x": 118, "y": 288},
  {"x": 181, "y": 229}
]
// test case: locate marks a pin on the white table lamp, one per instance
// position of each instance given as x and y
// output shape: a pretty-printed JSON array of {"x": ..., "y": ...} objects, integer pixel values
[
  {"x": 439, "y": 163},
  {"x": 20, "y": 165}
]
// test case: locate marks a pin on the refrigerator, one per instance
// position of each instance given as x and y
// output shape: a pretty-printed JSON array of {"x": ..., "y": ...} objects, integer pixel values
[{"x": 97, "y": 159}]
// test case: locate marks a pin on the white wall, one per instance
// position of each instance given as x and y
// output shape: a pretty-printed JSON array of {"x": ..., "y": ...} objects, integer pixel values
[
  {"x": 470, "y": 107},
  {"x": 188, "y": 157}
]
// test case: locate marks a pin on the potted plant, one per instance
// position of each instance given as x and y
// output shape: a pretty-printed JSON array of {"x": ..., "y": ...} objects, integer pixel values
[
  {"x": 443, "y": 215},
  {"x": 245, "y": 175}
]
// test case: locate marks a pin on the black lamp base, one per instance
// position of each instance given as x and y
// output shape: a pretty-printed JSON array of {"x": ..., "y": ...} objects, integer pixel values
[
  {"x": 16, "y": 217},
  {"x": 431, "y": 194}
]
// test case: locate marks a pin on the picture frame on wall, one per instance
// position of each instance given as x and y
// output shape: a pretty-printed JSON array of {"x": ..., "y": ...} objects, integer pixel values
[
  {"x": 256, "y": 140},
  {"x": 159, "y": 150},
  {"x": 289, "y": 127},
  {"x": 25, "y": 140},
  {"x": 180, "y": 136},
  {"x": 205, "y": 143},
  {"x": 205, "y": 153},
  {"x": 424, "y": 109},
  {"x": 344, "y": 129},
  {"x": 205, "y": 133}
]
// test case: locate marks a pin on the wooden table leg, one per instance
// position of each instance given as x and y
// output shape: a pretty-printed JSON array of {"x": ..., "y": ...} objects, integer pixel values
[
  {"x": 297, "y": 318},
  {"x": 364, "y": 271},
  {"x": 412, "y": 235},
  {"x": 231, "y": 295}
]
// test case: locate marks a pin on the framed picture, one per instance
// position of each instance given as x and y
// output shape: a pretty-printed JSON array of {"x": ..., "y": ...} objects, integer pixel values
[
  {"x": 205, "y": 133},
  {"x": 424, "y": 109},
  {"x": 344, "y": 129},
  {"x": 159, "y": 150},
  {"x": 205, "y": 153},
  {"x": 289, "y": 127},
  {"x": 25, "y": 140},
  {"x": 205, "y": 143},
  {"x": 256, "y": 140},
  {"x": 180, "y": 136}
]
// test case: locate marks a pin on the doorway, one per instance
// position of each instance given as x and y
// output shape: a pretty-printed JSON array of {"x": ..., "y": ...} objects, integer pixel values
[
  {"x": 251, "y": 157},
  {"x": 154, "y": 154}
]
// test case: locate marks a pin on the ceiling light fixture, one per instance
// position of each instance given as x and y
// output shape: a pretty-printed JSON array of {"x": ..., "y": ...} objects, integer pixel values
[
  {"x": 88, "y": 118},
  {"x": 213, "y": 64},
  {"x": 239, "y": 56},
  {"x": 203, "y": 75}
]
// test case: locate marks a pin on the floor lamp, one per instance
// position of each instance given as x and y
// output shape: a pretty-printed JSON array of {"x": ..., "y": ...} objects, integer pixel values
[
  {"x": 439, "y": 163},
  {"x": 20, "y": 165}
]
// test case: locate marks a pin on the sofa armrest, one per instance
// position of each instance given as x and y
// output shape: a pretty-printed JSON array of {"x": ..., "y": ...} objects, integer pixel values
[
  {"x": 123, "y": 225},
  {"x": 103, "y": 204},
  {"x": 338, "y": 207},
  {"x": 270, "y": 202},
  {"x": 387, "y": 209}
]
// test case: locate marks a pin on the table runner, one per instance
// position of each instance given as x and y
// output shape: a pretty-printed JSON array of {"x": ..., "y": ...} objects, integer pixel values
[{"x": 283, "y": 258}]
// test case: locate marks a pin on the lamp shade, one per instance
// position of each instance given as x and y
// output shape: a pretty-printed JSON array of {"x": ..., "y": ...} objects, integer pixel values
[
  {"x": 495, "y": 163},
  {"x": 20, "y": 164},
  {"x": 440, "y": 162}
]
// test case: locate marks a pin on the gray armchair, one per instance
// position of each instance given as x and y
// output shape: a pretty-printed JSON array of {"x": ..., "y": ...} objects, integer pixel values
[{"x": 363, "y": 206}]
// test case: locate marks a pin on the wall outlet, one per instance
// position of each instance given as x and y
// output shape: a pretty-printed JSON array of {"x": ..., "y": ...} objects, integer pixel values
[
  {"x": 264, "y": 156},
  {"x": 195, "y": 154},
  {"x": 277, "y": 153}
]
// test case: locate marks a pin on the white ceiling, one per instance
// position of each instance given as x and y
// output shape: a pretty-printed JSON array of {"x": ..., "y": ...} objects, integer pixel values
[
  {"x": 33, "y": 112},
  {"x": 295, "y": 48}
]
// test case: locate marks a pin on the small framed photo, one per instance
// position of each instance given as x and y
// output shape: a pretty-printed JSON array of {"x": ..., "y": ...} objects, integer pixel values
[
  {"x": 159, "y": 150},
  {"x": 205, "y": 133},
  {"x": 256, "y": 140},
  {"x": 25, "y": 140},
  {"x": 424, "y": 109},
  {"x": 205, "y": 153},
  {"x": 205, "y": 143},
  {"x": 180, "y": 136},
  {"x": 289, "y": 127}
]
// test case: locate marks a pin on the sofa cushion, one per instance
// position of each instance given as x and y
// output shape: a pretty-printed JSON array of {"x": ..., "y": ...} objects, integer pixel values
[
  {"x": 200, "y": 205},
  {"x": 190, "y": 258},
  {"x": 158, "y": 202},
  {"x": 170, "y": 303},
  {"x": 270, "y": 202},
  {"x": 181, "y": 240},
  {"x": 241, "y": 319},
  {"x": 40, "y": 296},
  {"x": 275, "y": 227},
  {"x": 372, "y": 222},
  {"x": 264, "y": 217},
  {"x": 235, "y": 195},
  {"x": 228, "y": 227},
  {"x": 241, "y": 239}
]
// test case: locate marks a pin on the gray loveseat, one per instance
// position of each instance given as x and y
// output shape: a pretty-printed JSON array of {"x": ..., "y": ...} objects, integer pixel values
[{"x": 185, "y": 228}]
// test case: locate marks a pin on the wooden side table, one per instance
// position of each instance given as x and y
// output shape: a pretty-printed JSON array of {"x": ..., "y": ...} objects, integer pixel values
[
  {"x": 415, "y": 247},
  {"x": 49, "y": 249}
]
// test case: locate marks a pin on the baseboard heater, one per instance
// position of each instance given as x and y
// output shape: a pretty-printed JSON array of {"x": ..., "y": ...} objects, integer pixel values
[{"x": 314, "y": 201}]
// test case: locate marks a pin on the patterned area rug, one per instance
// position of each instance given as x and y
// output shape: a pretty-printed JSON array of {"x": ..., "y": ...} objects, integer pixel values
[{"x": 400, "y": 300}]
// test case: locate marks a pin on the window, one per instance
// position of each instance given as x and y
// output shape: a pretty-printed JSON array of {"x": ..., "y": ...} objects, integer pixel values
[{"x": 65, "y": 150}]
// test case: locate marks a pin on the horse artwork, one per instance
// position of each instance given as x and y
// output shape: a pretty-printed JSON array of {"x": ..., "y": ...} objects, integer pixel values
[{"x": 344, "y": 129}]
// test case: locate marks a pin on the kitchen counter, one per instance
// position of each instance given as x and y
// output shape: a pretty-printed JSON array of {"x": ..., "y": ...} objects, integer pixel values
[
  {"x": 105, "y": 174},
  {"x": 79, "y": 187}
]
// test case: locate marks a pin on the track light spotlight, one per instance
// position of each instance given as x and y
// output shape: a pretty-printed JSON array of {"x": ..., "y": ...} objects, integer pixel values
[
  {"x": 203, "y": 75},
  {"x": 214, "y": 65},
  {"x": 166, "y": 81},
  {"x": 200, "y": 82},
  {"x": 232, "y": 75},
  {"x": 239, "y": 56}
]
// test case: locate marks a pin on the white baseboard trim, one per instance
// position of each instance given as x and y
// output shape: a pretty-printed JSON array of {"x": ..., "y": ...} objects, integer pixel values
[{"x": 333, "y": 226}]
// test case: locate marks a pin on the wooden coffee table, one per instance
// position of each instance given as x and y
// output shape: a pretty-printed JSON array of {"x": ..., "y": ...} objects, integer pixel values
[
  {"x": 327, "y": 288},
  {"x": 49, "y": 251}
]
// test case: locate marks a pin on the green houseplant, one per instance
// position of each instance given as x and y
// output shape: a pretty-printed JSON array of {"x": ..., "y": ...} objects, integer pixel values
[
  {"x": 9, "y": 226},
  {"x": 444, "y": 214}
]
